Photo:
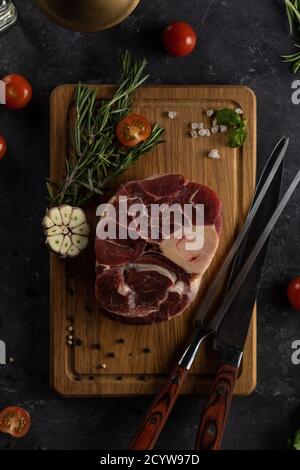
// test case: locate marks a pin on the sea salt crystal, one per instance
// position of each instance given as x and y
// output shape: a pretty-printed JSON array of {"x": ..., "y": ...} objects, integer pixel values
[
  {"x": 214, "y": 129},
  {"x": 214, "y": 154},
  {"x": 172, "y": 114},
  {"x": 202, "y": 132},
  {"x": 209, "y": 112}
]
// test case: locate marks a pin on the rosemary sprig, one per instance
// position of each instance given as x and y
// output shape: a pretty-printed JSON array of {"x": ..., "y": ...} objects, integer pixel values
[
  {"x": 293, "y": 14},
  {"x": 294, "y": 59},
  {"x": 96, "y": 157}
]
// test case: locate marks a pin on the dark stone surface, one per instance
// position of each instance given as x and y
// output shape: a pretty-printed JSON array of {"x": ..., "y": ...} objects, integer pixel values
[{"x": 239, "y": 42}]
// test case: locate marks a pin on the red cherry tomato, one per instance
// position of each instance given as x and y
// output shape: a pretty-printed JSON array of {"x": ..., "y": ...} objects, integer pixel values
[
  {"x": 18, "y": 91},
  {"x": 132, "y": 130},
  {"x": 14, "y": 421},
  {"x": 293, "y": 293},
  {"x": 3, "y": 147},
  {"x": 179, "y": 38}
]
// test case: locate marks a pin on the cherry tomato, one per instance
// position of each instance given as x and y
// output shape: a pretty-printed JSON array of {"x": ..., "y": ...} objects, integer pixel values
[
  {"x": 132, "y": 130},
  {"x": 293, "y": 293},
  {"x": 179, "y": 38},
  {"x": 15, "y": 421},
  {"x": 3, "y": 147},
  {"x": 18, "y": 91}
]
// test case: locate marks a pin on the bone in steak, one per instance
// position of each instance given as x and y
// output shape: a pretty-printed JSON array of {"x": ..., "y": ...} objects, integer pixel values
[{"x": 149, "y": 280}]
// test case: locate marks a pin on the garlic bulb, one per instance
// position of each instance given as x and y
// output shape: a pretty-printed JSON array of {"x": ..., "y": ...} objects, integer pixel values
[{"x": 67, "y": 230}]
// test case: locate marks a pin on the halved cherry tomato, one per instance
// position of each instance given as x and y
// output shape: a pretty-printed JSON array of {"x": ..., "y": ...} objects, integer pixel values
[
  {"x": 293, "y": 293},
  {"x": 179, "y": 38},
  {"x": 18, "y": 91},
  {"x": 15, "y": 421},
  {"x": 132, "y": 130},
  {"x": 3, "y": 147}
]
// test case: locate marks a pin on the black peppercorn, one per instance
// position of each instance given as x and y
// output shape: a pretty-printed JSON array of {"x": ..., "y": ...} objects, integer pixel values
[
  {"x": 121, "y": 340},
  {"x": 110, "y": 354}
]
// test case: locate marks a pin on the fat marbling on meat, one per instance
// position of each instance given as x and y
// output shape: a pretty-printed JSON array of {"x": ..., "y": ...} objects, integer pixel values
[{"x": 148, "y": 280}]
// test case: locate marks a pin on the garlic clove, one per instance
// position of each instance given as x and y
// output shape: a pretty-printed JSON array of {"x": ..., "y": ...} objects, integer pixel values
[
  {"x": 77, "y": 217},
  {"x": 55, "y": 242},
  {"x": 82, "y": 229},
  {"x": 66, "y": 212},
  {"x": 66, "y": 245},
  {"x": 80, "y": 241},
  {"x": 73, "y": 251},
  {"x": 55, "y": 216},
  {"x": 56, "y": 230},
  {"x": 47, "y": 222}
]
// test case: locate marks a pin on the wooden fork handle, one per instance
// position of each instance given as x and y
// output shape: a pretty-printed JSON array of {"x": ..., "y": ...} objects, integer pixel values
[
  {"x": 216, "y": 410},
  {"x": 159, "y": 411}
]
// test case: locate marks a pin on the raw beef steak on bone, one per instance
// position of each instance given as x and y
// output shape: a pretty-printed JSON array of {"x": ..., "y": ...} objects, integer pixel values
[{"x": 147, "y": 280}]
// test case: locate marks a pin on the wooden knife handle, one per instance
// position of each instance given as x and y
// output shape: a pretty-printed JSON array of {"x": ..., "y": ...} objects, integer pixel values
[
  {"x": 159, "y": 411},
  {"x": 216, "y": 409}
]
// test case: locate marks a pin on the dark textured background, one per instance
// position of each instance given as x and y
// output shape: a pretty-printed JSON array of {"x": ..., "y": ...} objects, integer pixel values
[{"x": 239, "y": 42}]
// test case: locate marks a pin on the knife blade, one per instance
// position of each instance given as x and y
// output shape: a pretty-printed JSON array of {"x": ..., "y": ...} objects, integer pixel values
[
  {"x": 240, "y": 279},
  {"x": 266, "y": 180},
  {"x": 234, "y": 327},
  {"x": 231, "y": 335},
  {"x": 251, "y": 285},
  {"x": 263, "y": 184}
]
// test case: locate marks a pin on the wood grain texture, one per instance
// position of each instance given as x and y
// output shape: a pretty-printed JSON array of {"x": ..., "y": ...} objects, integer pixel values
[
  {"x": 216, "y": 409},
  {"x": 158, "y": 413},
  {"x": 138, "y": 358}
]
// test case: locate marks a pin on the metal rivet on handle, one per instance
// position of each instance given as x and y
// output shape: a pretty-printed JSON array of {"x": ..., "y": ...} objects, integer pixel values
[
  {"x": 153, "y": 420},
  {"x": 212, "y": 429},
  {"x": 220, "y": 391}
]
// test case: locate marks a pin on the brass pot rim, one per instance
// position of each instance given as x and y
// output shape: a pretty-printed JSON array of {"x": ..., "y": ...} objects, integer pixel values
[{"x": 70, "y": 25}]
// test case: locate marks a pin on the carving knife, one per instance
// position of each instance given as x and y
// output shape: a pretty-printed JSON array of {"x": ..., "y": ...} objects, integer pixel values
[
  {"x": 160, "y": 409},
  {"x": 231, "y": 335}
]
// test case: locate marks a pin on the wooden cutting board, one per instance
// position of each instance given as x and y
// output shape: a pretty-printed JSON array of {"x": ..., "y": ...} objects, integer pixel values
[{"x": 137, "y": 358}]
